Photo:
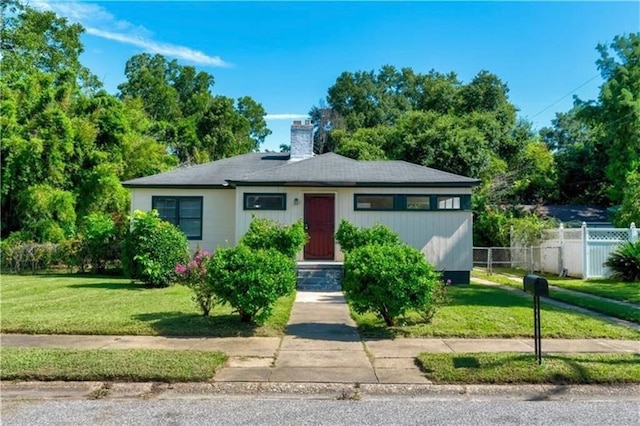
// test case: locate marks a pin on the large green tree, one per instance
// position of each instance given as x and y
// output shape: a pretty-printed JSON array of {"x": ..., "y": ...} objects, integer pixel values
[
  {"x": 65, "y": 143},
  {"x": 194, "y": 124},
  {"x": 617, "y": 110},
  {"x": 431, "y": 119}
]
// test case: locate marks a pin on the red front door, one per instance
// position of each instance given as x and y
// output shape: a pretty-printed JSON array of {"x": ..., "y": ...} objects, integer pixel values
[{"x": 319, "y": 215}]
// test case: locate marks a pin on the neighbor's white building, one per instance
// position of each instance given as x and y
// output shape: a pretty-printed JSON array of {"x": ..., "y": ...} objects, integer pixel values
[{"x": 213, "y": 203}]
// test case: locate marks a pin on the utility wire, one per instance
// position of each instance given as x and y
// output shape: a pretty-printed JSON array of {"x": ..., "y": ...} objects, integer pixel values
[{"x": 570, "y": 93}]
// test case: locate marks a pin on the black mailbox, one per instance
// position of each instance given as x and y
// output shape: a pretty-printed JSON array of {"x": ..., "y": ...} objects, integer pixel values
[{"x": 536, "y": 285}]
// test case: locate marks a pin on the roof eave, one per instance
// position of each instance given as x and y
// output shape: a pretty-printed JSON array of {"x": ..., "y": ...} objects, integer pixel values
[
  {"x": 175, "y": 186},
  {"x": 358, "y": 184}
]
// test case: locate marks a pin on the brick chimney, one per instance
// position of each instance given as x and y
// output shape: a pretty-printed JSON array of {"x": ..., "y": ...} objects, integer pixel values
[{"x": 301, "y": 140}]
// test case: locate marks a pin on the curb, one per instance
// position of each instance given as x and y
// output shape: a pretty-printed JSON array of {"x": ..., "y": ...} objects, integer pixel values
[{"x": 332, "y": 391}]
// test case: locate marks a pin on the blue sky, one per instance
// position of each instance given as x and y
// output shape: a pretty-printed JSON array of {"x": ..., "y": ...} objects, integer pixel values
[{"x": 286, "y": 55}]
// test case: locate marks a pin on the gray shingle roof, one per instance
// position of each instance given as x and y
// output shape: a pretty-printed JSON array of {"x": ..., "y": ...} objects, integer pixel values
[
  {"x": 322, "y": 170},
  {"x": 215, "y": 173},
  {"x": 334, "y": 170}
]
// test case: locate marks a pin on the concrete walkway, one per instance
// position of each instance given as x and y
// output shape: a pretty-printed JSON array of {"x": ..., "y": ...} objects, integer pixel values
[{"x": 321, "y": 345}]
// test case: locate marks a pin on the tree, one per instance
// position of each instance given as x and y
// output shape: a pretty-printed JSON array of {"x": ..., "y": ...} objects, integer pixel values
[
  {"x": 617, "y": 110},
  {"x": 194, "y": 124}
]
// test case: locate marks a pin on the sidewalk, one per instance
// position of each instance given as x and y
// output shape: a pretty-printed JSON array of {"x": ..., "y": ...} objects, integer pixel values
[{"x": 321, "y": 345}]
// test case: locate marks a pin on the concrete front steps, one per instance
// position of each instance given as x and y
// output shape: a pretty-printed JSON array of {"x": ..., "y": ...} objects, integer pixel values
[{"x": 320, "y": 276}]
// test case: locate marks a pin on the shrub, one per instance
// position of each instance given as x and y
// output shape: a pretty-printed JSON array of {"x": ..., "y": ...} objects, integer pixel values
[
  {"x": 625, "y": 262},
  {"x": 439, "y": 297},
  {"x": 251, "y": 280},
  {"x": 100, "y": 240},
  {"x": 152, "y": 248},
  {"x": 47, "y": 213},
  {"x": 388, "y": 280},
  {"x": 267, "y": 234},
  {"x": 19, "y": 256},
  {"x": 351, "y": 237},
  {"x": 194, "y": 276}
]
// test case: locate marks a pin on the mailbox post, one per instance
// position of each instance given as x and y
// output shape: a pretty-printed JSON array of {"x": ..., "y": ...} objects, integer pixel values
[{"x": 537, "y": 286}]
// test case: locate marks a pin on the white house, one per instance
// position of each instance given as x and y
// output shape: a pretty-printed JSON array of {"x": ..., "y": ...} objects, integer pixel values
[{"x": 213, "y": 203}]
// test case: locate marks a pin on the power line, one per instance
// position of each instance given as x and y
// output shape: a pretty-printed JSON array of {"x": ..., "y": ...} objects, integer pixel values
[{"x": 570, "y": 93}]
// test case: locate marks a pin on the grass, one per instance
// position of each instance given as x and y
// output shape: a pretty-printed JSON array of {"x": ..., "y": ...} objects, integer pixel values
[
  {"x": 616, "y": 290},
  {"x": 84, "y": 304},
  {"x": 602, "y": 306},
  {"x": 131, "y": 365},
  {"x": 477, "y": 311},
  {"x": 515, "y": 368}
]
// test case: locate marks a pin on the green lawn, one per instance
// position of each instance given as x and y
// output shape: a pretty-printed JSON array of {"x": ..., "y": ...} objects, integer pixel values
[
  {"x": 511, "y": 368},
  {"x": 602, "y": 306},
  {"x": 131, "y": 365},
  {"x": 84, "y": 304},
  {"x": 477, "y": 311},
  {"x": 617, "y": 290}
]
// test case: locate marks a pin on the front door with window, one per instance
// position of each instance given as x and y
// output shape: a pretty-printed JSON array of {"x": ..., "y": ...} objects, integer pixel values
[{"x": 319, "y": 220}]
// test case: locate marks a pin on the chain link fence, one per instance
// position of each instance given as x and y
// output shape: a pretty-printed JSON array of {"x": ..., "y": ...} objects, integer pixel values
[{"x": 531, "y": 259}]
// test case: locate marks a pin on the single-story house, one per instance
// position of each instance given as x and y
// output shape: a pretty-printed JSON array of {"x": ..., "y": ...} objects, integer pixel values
[{"x": 213, "y": 203}]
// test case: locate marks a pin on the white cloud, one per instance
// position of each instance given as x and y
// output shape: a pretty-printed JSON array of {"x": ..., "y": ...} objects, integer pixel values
[
  {"x": 161, "y": 48},
  {"x": 286, "y": 116},
  {"x": 100, "y": 23}
]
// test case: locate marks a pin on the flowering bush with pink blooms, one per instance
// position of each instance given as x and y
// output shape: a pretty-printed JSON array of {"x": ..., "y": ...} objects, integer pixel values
[{"x": 194, "y": 276}]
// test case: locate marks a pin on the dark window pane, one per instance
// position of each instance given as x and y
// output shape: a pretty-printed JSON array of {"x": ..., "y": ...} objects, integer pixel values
[
  {"x": 166, "y": 208},
  {"x": 265, "y": 201},
  {"x": 374, "y": 202},
  {"x": 184, "y": 212},
  {"x": 190, "y": 207},
  {"x": 418, "y": 202},
  {"x": 191, "y": 227}
]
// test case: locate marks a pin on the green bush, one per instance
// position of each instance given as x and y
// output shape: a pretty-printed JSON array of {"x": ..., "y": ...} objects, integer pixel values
[
  {"x": 47, "y": 213},
  {"x": 100, "y": 241},
  {"x": 251, "y": 281},
  {"x": 267, "y": 234},
  {"x": 152, "y": 248},
  {"x": 439, "y": 298},
  {"x": 388, "y": 280},
  {"x": 625, "y": 262},
  {"x": 350, "y": 237}
]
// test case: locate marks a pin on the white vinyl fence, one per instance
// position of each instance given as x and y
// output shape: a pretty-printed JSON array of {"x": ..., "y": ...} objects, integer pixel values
[{"x": 577, "y": 252}]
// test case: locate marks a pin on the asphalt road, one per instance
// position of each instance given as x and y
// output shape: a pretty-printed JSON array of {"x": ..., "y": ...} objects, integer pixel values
[{"x": 280, "y": 411}]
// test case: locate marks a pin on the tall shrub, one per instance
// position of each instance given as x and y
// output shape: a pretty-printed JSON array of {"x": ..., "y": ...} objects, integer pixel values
[
  {"x": 267, "y": 234},
  {"x": 100, "y": 240},
  {"x": 194, "y": 275},
  {"x": 152, "y": 248},
  {"x": 625, "y": 262},
  {"x": 388, "y": 280},
  {"x": 251, "y": 281}
]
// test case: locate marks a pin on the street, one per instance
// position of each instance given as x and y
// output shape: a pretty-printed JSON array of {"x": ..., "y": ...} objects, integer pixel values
[{"x": 249, "y": 410}]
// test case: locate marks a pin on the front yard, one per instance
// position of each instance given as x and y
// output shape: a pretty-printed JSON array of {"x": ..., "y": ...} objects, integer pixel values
[
  {"x": 621, "y": 291},
  {"x": 616, "y": 290},
  {"x": 82, "y": 304},
  {"x": 129, "y": 365},
  {"x": 515, "y": 368},
  {"x": 477, "y": 311}
]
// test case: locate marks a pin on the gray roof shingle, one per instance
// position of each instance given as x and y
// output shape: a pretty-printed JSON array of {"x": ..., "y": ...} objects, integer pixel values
[
  {"x": 322, "y": 170},
  {"x": 215, "y": 173}
]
